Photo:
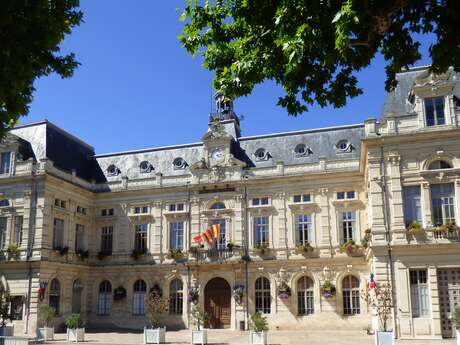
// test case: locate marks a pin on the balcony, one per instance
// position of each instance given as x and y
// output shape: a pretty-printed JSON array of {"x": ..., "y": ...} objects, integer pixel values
[
  {"x": 216, "y": 255},
  {"x": 453, "y": 235}
]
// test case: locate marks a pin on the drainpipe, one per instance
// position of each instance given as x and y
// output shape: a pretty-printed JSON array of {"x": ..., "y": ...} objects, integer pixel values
[
  {"x": 386, "y": 223},
  {"x": 189, "y": 230},
  {"x": 30, "y": 245},
  {"x": 246, "y": 254}
]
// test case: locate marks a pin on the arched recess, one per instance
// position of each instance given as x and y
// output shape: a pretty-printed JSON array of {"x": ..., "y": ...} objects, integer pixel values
[{"x": 217, "y": 302}]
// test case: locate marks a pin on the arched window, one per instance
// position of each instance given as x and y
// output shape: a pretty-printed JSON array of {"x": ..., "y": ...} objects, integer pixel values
[
  {"x": 77, "y": 289},
  {"x": 305, "y": 296},
  {"x": 140, "y": 289},
  {"x": 55, "y": 295},
  {"x": 105, "y": 298},
  {"x": 439, "y": 164},
  {"x": 263, "y": 295},
  {"x": 350, "y": 291},
  {"x": 217, "y": 206},
  {"x": 176, "y": 296}
]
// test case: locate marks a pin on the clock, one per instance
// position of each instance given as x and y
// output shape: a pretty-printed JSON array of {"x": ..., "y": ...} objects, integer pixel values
[{"x": 217, "y": 154}]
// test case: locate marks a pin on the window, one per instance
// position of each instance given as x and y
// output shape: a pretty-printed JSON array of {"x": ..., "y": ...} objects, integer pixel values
[
  {"x": 221, "y": 242},
  {"x": 79, "y": 238},
  {"x": 260, "y": 201},
  {"x": 261, "y": 155},
  {"x": 176, "y": 296},
  {"x": 60, "y": 203},
  {"x": 350, "y": 291},
  {"x": 263, "y": 295},
  {"x": 301, "y": 198},
  {"x": 420, "y": 300},
  {"x": 346, "y": 195},
  {"x": 434, "y": 111},
  {"x": 145, "y": 167},
  {"x": 412, "y": 206},
  {"x": 107, "y": 239},
  {"x": 140, "y": 289},
  {"x": 112, "y": 170},
  {"x": 77, "y": 289},
  {"x": 17, "y": 307},
  {"x": 302, "y": 229},
  {"x": 305, "y": 296},
  {"x": 442, "y": 203},
  {"x": 348, "y": 223},
  {"x": 140, "y": 238},
  {"x": 55, "y": 295},
  {"x": 176, "y": 207},
  {"x": 58, "y": 234},
  {"x": 81, "y": 210},
  {"x": 107, "y": 212},
  {"x": 301, "y": 150},
  {"x": 176, "y": 233},
  {"x": 179, "y": 163},
  {"x": 344, "y": 146},
  {"x": 104, "y": 304},
  {"x": 141, "y": 209},
  {"x": 218, "y": 206},
  {"x": 3, "y": 222},
  {"x": 261, "y": 230},
  {"x": 437, "y": 165},
  {"x": 5, "y": 158},
  {"x": 4, "y": 203}
]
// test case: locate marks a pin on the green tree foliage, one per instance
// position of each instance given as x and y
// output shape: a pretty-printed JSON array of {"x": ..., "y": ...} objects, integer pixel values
[
  {"x": 30, "y": 33},
  {"x": 4, "y": 306},
  {"x": 313, "y": 49}
]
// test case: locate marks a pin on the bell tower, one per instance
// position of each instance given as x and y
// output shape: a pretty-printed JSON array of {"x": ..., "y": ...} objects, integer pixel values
[{"x": 225, "y": 115}]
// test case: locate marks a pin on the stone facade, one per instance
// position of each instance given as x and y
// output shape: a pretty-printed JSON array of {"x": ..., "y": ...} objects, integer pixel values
[{"x": 89, "y": 226}]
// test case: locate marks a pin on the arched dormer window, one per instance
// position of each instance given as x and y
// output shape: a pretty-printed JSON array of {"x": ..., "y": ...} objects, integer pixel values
[
  {"x": 439, "y": 164},
  {"x": 217, "y": 206}
]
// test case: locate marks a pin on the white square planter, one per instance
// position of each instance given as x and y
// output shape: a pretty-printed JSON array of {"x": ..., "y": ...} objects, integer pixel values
[
  {"x": 384, "y": 338},
  {"x": 154, "y": 335},
  {"x": 258, "y": 338},
  {"x": 76, "y": 334},
  {"x": 200, "y": 337},
  {"x": 6, "y": 331},
  {"x": 46, "y": 333},
  {"x": 458, "y": 336}
]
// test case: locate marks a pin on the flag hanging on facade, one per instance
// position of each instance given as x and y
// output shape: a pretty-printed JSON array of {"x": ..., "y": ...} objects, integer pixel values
[
  {"x": 371, "y": 284},
  {"x": 211, "y": 234}
]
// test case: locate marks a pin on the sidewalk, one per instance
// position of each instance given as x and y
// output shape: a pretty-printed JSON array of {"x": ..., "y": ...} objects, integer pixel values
[{"x": 242, "y": 338}]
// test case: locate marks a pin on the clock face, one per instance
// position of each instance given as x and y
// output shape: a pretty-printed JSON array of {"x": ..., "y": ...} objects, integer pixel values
[{"x": 217, "y": 154}]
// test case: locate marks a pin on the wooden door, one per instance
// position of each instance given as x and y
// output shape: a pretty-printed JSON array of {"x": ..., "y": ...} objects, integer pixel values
[{"x": 217, "y": 297}]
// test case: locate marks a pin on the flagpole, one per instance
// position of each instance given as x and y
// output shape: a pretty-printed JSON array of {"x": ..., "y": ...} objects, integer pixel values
[{"x": 246, "y": 253}]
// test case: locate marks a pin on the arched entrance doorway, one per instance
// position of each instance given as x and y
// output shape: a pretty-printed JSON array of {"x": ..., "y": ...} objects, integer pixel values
[{"x": 217, "y": 297}]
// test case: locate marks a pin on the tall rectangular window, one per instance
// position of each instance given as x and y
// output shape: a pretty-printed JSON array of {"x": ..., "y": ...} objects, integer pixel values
[
  {"x": 348, "y": 225},
  {"x": 412, "y": 205},
  {"x": 3, "y": 222},
  {"x": 107, "y": 239},
  {"x": 302, "y": 229},
  {"x": 58, "y": 233},
  {"x": 18, "y": 221},
  {"x": 434, "y": 111},
  {"x": 442, "y": 203},
  {"x": 221, "y": 242},
  {"x": 79, "y": 238},
  {"x": 17, "y": 307},
  {"x": 140, "y": 238},
  {"x": 5, "y": 159},
  {"x": 261, "y": 234},
  {"x": 420, "y": 299},
  {"x": 176, "y": 233}
]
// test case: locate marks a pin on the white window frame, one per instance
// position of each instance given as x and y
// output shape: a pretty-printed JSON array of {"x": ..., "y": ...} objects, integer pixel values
[
  {"x": 353, "y": 221},
  {"x": 419, "y": 293},
  {"x": 307, "y": 227}
]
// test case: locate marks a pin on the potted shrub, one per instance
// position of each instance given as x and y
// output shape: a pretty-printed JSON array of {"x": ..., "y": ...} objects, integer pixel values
[
  {"x": 156, "y": 307},
  {"x": 261, "y": 248},
  {"x": 328, "y": 289},
  {"x": 367, "y": 238},
  {"x": 5, "y": 313},
  {"x": 193, "y": 295},
  {"x": 380, "y": 298},
  {"x": 75, "y": 328},
  {"x": 82, "y": 254},
  {"x": 456, "y": 321},
  {"x": 415, "y": 228},
  {"x": 195, "y": 251},
  {"x": 238, "y": 293},
  {"x": 47, "y": 315},
  {"x": 136, "y": 254},
  {"x": 232, "y": 246},
  {"x": 284, "y": 291},
  {"x": 199, "y": 319},
  {"x": 304, "y": 248},
  {"x": 13, "y": 251},
  {"x": 259, "y": 328},
  {"x": 350, "y": 247},
  {"x": 175, "y": 254}
]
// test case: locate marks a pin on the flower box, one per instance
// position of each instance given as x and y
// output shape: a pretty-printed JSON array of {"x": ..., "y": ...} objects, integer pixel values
[
  {"x": 258, "y": 338},
  {"x": 384, "y": 338},
  {"x": 46, "y": 333},
  {"x": 75, "y": 334},
  {"x": 200, "y": 337},
  {"x": 154, "y": 335}
]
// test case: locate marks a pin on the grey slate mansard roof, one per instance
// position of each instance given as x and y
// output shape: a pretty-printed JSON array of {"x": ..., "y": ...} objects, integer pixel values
[
  {"x": 70, "y": 153},
  {"x": 397, "y": 102}
]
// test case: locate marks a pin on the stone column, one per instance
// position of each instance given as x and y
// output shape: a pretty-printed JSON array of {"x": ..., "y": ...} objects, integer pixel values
[
  {"x": 397, "y": 225},
  {"x": 280, "y": 233},
  {"x": 157, "y": 229},
  {"x": 238, "y": 220},
  {"x": 434, "y": 299},
  {"x": 324, "y": 238},
  {"x": 425, "y": 199},
  {"x": 376, "y": 200}
]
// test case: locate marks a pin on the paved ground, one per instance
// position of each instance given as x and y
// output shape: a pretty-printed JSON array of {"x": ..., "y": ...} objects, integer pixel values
[{"x": 242, "y": 338}]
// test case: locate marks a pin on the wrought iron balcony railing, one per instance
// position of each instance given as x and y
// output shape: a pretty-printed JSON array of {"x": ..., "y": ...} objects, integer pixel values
[{"x": 215, "y": 254}]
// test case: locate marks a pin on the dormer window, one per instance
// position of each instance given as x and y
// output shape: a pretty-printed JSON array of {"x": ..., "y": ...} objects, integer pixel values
[
  {"x": 179, "y": 163},
  {"x": 344, "y": 146},
  {"x": 434, "y": 111},
  {"x": 112, "y": 170},
  {"x": 5, "y": 160},
  {"x": 301, "y": 150},
  {"x": 145, "y": 167},
  {"x": 437, "y": 165},
  {"x": 261, "y": 154}
]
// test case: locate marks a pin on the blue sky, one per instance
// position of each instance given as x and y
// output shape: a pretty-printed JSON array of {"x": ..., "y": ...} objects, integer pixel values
[{"x": 138, "y": 88}]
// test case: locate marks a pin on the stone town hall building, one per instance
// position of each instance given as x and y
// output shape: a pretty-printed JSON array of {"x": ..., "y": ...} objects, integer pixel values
[{"x": 95, "y": 233}]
